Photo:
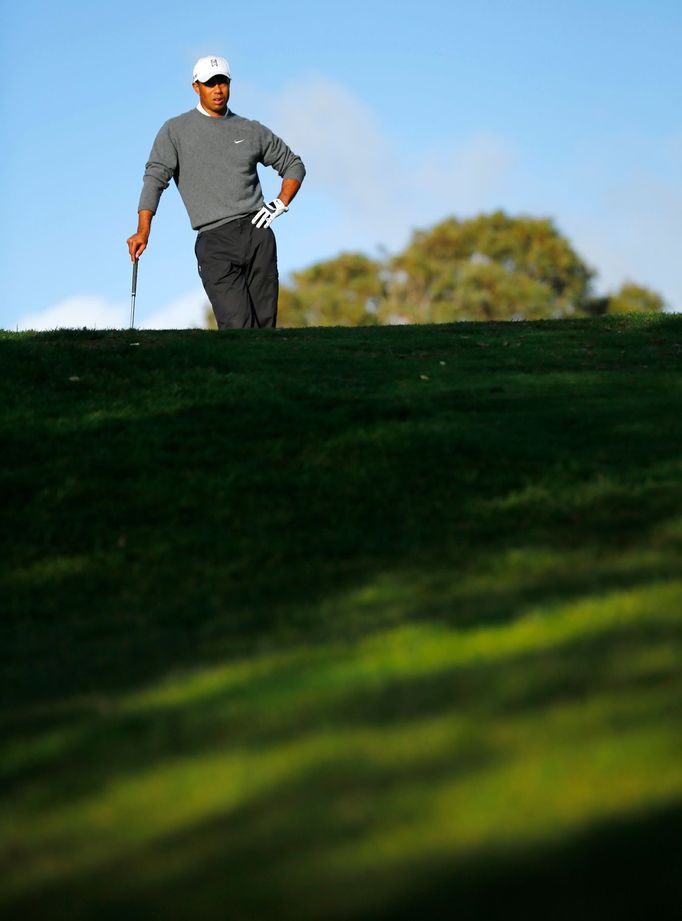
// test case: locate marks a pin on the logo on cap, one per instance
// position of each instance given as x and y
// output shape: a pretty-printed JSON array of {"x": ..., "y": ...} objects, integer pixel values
[{"x": 214, "y": 62}]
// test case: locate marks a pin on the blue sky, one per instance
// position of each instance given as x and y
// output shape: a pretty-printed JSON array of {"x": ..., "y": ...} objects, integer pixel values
[{"x": 403, "y": 117}]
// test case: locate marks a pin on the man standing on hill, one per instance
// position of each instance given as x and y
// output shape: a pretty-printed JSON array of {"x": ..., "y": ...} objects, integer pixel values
[{"x": 212, "y": 154}]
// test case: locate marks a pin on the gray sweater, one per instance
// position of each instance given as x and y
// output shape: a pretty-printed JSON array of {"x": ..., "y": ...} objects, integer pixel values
[{"x": 213, "y": 162}]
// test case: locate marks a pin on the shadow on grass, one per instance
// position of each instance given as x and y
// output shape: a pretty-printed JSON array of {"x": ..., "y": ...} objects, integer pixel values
[
  {"x": 238, "y": 502},
  {"x": 625, "y": 869},
  {"x": 132, "y": 567},
  {"x": 278, "y": 858}
]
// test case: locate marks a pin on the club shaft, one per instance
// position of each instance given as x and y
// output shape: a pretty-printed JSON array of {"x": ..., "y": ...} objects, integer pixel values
[{"x": 133, "y": 295}]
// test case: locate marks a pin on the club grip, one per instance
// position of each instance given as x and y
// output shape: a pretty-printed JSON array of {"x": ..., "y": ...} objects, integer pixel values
[{"x": 135, "y": 264}]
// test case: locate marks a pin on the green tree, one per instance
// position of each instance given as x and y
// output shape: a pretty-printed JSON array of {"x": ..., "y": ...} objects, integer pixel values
[
  {"x": 488, "y": 267},
  {"x": 345, "y": 291},
  {"x": 630, "y": 298}
]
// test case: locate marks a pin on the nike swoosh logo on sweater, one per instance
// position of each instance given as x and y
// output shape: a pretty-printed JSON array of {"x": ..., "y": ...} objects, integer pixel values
[{"x": 240, "y": 142}]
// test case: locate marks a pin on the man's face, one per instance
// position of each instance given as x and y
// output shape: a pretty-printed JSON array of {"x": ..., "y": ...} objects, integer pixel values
[{"x": 214, "y": 94}]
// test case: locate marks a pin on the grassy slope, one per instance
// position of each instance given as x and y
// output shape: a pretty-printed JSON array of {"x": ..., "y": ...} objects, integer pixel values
[{"x": 342, "y": 623}]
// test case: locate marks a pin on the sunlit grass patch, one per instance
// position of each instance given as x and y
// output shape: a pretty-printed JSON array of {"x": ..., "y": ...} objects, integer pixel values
[{"x": 452, "y": 740}]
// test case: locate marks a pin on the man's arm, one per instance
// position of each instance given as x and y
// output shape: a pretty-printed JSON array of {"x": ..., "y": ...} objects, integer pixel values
[
  {"x": 288, "y": 191},
  {"x": 163, "y": 161},
  {"x": 137, "y": 244},
  {"x": 275, "y": 153}
]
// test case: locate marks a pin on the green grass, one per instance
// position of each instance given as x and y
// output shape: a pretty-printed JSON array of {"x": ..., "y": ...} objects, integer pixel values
[{"x": 370, "y": 623}]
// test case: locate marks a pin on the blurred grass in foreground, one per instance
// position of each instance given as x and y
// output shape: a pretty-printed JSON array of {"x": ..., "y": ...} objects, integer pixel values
[{"x": 343, "y": 623}]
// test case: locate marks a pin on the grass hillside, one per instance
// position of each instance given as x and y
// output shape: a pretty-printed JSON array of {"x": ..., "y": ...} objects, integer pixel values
[{"x": 346, "y": 623}]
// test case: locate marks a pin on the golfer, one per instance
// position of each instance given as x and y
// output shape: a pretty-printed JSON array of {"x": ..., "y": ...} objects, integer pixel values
[{"x": 212, "y": 154}]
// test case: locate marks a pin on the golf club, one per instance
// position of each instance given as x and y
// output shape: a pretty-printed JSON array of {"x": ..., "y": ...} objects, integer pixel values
[{"x": 132, "y": 299}]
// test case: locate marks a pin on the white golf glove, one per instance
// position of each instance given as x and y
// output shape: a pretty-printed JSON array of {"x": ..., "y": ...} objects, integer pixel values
[{"x": 269, "y": 212}]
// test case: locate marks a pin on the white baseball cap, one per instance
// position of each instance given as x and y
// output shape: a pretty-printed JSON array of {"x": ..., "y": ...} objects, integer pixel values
[{"x": 205, "y": 68}]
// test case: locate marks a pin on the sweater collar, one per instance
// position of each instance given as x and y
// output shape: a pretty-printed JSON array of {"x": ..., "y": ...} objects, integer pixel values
[{"x": 203, "y": 111}]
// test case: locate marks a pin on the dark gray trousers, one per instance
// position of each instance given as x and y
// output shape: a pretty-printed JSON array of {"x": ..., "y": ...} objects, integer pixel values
[{"x": 238, "y": 268}]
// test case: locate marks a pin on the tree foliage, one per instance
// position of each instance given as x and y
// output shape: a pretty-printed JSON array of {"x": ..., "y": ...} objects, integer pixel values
[
  {"x": 632, "y": 298},
  {"x": 345, "y": 291},
  {"x": 490, "y": 267}
]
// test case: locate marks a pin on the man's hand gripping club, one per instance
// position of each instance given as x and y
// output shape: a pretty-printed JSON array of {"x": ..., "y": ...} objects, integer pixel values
[{"x": 137, "y": 244}]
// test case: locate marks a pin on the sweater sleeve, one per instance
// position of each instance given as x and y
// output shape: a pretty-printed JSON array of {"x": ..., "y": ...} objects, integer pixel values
[
  {"x": 160, "y": 169},
  {"x": 275, "y": 153}
]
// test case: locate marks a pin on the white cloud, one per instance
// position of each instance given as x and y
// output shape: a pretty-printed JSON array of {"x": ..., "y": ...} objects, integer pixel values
[
  {"x": 465, "y": 178},
  {"x": 187, "y": 312},
  {"x": 379, "y": 189},
  {"x": 633, "y": 234},
  {"x": 94, "y": 312},
  {"x": 350, "y": 155},
  {"x": 76, "y": 312}
]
